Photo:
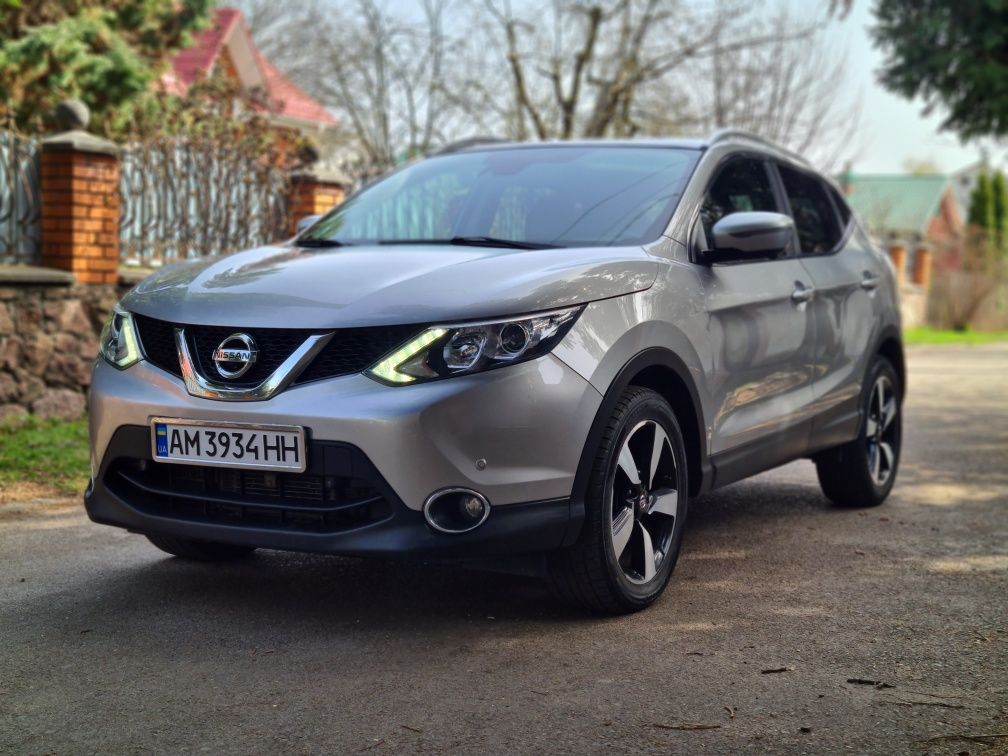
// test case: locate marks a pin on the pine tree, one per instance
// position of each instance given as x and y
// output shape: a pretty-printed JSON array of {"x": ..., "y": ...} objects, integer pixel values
[
  {"x": 104, "y": 52},
  {"x": 999, "y": 208},
  {"x": 981, "y": 209},
  {"x": 950, "y": 55}
]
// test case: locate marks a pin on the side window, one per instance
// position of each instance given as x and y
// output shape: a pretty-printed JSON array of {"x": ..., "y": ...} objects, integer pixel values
[
  {"x": 815, "y": 220},
  {"x": 741, "y": 185},
  {"x": 841, "y": 205}
]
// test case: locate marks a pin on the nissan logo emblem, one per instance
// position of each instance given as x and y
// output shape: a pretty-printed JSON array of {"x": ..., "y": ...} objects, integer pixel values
[{"x": 235, "y": 355}]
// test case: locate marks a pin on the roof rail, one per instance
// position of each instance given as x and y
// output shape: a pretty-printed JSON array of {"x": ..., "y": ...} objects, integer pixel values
[
  {"x": 464, "y": 144},
  {"x": 723, "y": 135}
]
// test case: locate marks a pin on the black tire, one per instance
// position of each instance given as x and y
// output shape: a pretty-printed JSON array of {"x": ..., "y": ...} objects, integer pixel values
[
  {"x": 846, "y": 473},
  {"x": 589, "y": 574},
  {"x": 200, "y": 551}
]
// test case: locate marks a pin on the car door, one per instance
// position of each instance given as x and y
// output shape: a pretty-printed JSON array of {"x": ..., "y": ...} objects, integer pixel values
[
  {"x": 761, "y": 337},
  {"x": 846, "y": 273}
]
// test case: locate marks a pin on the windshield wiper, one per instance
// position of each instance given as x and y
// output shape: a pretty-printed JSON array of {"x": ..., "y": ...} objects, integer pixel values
[
  {"x": 492, "y": 241},
  {"x": 319, "y": 243},
  {"x": 471, "y": 241}
]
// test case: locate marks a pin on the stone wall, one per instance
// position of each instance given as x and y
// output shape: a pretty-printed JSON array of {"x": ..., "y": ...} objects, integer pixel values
[
  {"x": 48, "y": 341},
  {"x": 51, "y": 316}
]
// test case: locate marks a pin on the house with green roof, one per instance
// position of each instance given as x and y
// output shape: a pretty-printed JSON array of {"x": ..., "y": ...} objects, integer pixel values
[
  {"x": 912, "y": 211},
  {"x": 912, "y": 208}
]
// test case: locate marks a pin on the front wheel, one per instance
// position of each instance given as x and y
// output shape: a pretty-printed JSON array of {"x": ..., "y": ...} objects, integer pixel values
[
  {"x": 635, "y": 511},
  {"x": 861, "y": 473}
]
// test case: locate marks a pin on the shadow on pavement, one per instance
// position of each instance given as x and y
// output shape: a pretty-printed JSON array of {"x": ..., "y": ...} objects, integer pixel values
[{"x": 329, "y": 594}]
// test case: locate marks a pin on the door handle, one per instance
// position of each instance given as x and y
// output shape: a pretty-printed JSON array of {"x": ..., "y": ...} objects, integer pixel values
[
  {"x": 869, "y": 282},
  {"x": 802, "y": 293}
]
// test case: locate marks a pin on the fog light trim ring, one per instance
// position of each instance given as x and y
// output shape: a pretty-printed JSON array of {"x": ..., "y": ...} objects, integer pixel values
[{"x": 433, "y": 498}]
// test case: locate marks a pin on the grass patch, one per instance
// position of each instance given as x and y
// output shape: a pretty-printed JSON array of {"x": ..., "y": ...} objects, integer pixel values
[
  {"x": 51, "y": 453},
  {"x": 925, "y": 335}
]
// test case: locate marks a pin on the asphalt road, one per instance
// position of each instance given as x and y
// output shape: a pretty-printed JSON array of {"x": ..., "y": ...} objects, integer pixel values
[{"x": 108, "y": 646}]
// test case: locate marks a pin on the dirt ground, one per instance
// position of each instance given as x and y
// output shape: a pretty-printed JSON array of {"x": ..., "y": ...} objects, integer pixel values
[{"x": 106, "y": 645}]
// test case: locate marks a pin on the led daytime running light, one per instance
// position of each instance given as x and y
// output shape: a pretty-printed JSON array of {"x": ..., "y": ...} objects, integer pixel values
[
  {"x": 387, "y": 369},
  {"x": 118, "y": 341}
]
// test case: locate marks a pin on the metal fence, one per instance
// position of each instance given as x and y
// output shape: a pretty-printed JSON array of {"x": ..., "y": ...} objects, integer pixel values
[
  {"x": 20, "y": 198},
  {"x": 187, "y": 199}
]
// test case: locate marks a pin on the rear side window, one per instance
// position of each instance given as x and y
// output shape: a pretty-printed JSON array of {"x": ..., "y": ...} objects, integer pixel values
[
  {"x": 740, "y": 186},
  {"x": 814, "y": 217}
]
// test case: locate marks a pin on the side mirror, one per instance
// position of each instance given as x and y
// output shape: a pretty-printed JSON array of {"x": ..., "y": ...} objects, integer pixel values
[
  {"x": 749, "y": 235},
  {"x": 305, "y": 223}
]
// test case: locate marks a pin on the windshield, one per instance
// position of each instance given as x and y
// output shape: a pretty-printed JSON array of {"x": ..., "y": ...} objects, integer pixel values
[{"x": 562, "y": 196}]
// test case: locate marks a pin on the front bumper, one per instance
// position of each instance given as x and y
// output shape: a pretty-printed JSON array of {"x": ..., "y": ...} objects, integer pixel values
[
  {"x": 391, "y": 529},
  {"x": 528, "y": 422}
]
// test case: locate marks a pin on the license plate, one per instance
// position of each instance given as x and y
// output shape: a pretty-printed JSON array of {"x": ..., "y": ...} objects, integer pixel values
[{"x": 266, "y": 447}]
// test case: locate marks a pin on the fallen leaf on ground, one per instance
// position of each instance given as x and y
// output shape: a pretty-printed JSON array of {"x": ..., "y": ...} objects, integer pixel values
[
  {"x": 687, "y": 726},
  {"x": 775, "y": 670}
]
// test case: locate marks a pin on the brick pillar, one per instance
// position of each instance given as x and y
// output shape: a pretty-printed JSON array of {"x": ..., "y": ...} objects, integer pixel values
[
  {"x": 922, "y": 267},
  {"x": 314, "y": 194},
  {"x": 898, "y": 255},
  {"x": 80, "y": 205}
]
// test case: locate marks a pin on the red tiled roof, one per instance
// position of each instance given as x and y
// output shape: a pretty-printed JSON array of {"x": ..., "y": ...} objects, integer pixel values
[
  {"x": 190, "y": 64},
  {"x": 288, "y": 99},
  {"x": 193, "y": 62}
]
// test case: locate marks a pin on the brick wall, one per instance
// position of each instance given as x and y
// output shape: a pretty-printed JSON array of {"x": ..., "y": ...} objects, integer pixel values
[
  {"x": 80, "y": 178},
  {"x": 311, "y": 195},
  {"x": 80, "y": 214}
]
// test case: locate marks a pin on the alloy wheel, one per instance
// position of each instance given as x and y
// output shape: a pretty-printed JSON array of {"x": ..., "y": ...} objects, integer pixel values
[
  {"x": 644, "y": 501},
  {"x": 881, "y": 432}
]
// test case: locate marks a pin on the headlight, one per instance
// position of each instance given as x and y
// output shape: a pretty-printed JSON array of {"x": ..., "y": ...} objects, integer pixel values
[
  {"x": 444, "y": 351},
  {"x": 118, "y": 344}
]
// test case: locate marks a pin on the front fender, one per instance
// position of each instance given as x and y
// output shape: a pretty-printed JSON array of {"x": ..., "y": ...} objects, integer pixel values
[
  {"x": 610, "y": 346},
  {"x": 612, "y": 332}
]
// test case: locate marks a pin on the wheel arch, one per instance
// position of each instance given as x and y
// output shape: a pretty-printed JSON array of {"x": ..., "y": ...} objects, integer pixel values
[
  {"x": 890, "y": 346},
  {"x": 664, "y": 372}
]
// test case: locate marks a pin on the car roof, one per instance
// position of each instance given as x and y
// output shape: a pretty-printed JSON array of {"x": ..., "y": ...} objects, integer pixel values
[{"x": 729, "y": 137}]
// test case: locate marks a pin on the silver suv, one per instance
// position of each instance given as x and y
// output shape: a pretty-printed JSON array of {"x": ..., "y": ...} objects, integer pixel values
[{"x": 512, "y": 353}]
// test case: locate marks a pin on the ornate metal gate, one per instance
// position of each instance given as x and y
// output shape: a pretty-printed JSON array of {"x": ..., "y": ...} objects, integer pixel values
[
  {"x": 184, "y": 199},
  {"x": 20, "y": 198}
]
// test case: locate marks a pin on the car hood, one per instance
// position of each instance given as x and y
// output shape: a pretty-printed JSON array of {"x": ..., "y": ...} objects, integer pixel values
[{"x": 292, "y": 287}]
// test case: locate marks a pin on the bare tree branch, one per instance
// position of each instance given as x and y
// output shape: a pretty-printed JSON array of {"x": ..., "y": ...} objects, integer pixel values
[
  {"x": 406, "y": 80},
  {"x": 516, "y": 64}
]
